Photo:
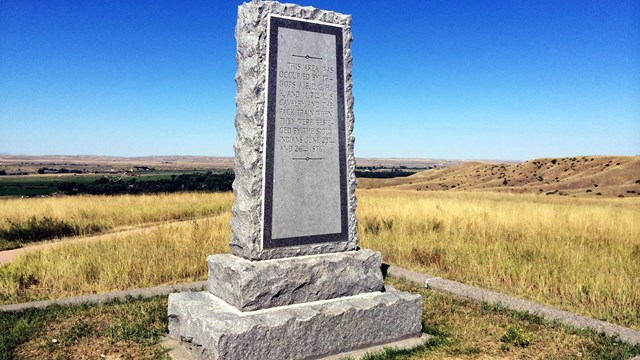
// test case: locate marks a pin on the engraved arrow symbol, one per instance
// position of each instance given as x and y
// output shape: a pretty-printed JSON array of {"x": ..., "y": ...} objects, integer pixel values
[{"x": 307, "y": 57}]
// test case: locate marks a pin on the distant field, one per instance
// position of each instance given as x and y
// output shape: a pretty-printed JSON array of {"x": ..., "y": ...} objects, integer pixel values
[
  {"x": 108, "y": 164},
  {"x": 13, "y": 164},
  {"x": 32, "y": 185},
  {"x": 581, "y": 255},
  {"x": 47, "y": 184}
]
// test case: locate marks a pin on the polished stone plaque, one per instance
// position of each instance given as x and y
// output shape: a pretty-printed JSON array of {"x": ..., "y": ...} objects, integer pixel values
[{"x": 305, "y": 191}]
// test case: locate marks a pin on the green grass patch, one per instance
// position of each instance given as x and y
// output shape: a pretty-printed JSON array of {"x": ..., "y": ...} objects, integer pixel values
[
  {"x": 129, "y": 329},
  {"x": 517, "y": 336}
]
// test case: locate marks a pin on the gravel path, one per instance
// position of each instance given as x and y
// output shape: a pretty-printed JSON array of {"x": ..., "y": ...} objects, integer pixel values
[
  {"x": 101, "y": 298},
  {"x": 481, "y": 295}
]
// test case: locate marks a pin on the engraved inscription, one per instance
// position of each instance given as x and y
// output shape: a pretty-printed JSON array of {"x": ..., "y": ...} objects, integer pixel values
[
  {"x": 305, "y": 129},
  {"x": 306, "y": 193},
  {"x": 306, "y": 105}
]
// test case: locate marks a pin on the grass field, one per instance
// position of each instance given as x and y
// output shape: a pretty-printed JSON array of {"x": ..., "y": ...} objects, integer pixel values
[
  {"x": 460, "y": 329},
  {"x": 581, "y": 255},
  {"x": 117, "y": 330},
  {"x": 165, "y": 255},
  {"x": 26, "y": 220}
]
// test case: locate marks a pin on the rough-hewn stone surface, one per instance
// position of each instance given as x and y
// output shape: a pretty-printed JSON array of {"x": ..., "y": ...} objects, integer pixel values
[
  {"x": 254, "y": 285},
  {"x": 214, "y": 330},
  {"x": 251, "y": 38}
]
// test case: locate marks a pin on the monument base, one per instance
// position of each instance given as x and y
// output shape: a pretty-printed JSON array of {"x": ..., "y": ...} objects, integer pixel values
[
  {"x": 255, "y": 285},
  {"x": 213, "y": 329}
]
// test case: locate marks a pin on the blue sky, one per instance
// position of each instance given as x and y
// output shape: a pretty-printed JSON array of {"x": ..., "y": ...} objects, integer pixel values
[{"x": 509, "y": 80}]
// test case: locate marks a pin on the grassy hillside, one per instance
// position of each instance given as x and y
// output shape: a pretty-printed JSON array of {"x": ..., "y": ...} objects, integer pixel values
[{"x": 591, "y": 176}]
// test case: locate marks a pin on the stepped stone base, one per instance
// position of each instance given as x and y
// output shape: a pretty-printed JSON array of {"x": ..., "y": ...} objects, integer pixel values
[
  {"x": 213, "y": 329},
  {"x": 254, "y": 285}
]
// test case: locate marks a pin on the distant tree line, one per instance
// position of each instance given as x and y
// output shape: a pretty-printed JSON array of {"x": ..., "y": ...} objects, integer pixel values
[
  {"x": 205, "y": 182},
  {"x": 383, "y": 174},
  {"x": 45, "y": 170}
]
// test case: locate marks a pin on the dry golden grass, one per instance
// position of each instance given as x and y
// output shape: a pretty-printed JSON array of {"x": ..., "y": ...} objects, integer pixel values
[
  {"x": 581, "y": 255},
  {"x": 168, "y": 254},
  {"x": 88, "y": 213}
]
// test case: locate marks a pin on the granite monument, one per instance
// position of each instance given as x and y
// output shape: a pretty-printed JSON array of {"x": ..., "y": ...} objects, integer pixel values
[{"x": 296, "y": 286}]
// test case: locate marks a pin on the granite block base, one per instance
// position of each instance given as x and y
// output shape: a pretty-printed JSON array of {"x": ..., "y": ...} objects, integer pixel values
[
  {"x": 213, "y": 329},
  {"x": 254, "y": 285}
]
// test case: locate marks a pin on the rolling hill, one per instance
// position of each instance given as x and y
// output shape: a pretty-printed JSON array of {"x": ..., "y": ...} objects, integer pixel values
[{"x": 576, "y": 176}]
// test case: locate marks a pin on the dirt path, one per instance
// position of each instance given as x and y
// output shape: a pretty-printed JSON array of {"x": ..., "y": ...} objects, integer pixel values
[{"x": 8, "y": 255}]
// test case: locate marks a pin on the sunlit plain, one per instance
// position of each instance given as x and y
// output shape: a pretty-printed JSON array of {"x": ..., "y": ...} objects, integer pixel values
[{"x": 580, "y": 255}]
